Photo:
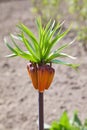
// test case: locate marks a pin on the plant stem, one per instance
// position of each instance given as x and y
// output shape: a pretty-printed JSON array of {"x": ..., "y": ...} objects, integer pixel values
[{"x": 41, "y": 111}]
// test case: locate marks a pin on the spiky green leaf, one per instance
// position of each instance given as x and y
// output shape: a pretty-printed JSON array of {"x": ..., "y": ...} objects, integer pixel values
[
  {"x": 30, "y": 35},
  {"x": 74, "y": 66},
  {"x": 11, "y": 55},
  {"x": 29, "y": 48},
  {"x": 56, "y": 39}
]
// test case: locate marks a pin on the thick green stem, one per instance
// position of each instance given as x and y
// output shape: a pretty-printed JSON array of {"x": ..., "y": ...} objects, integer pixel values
[{"x": 41, "y": 111}]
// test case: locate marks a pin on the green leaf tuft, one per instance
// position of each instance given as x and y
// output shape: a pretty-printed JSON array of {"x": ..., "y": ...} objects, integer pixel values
[{"x": 40, "y": 50}]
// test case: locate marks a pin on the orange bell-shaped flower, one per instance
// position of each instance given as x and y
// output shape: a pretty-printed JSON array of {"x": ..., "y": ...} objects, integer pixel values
[
  {"x": 32, "y": 71},
  {"x": 50, "y": 75},
  {"x": 41, "y": 76}
]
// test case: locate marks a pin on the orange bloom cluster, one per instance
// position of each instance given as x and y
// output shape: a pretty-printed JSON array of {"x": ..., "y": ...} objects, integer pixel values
[{"x": 41, "y": 76}]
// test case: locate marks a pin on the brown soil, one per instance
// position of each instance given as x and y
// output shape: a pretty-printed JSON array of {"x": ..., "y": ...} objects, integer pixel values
[{"x": 18, "y": 99}]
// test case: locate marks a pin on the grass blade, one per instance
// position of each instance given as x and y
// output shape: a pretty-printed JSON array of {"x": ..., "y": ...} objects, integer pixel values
[
  {"x": 12, "y": 49},
  {"x": 18, "y": 37},
  {"x": 39, "y": 27},
  {"x": 66, "y": 55},
  {"x": 64, "y": 46},
  {"x": 11, "y": 55},
  {"x": 29, "y": 48},
  {"x": 54, "y": 41},
  {"x": 55, "y": 54},
  {"x": 30, "y": 34},
  {"x": 74, "y": 66},
  {"x": 18, "y": 52}
]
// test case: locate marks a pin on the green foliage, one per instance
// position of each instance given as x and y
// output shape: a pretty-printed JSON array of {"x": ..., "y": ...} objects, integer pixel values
[
  {"x": 47, "y": 9},
  {"x": 82, "y": 36},
  {"x": 40, "y": 50},
  {"x": 64, "y": 123},
  {"x": 79, "y": 7},
  {"x": 79, "y": 10}
]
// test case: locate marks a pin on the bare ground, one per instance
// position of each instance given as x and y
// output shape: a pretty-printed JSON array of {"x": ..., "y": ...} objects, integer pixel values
[{"x": 18, "y": 99}]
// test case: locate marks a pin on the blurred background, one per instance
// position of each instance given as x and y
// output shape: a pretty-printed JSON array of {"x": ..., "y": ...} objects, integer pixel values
[{"x": 18, "y": 99}]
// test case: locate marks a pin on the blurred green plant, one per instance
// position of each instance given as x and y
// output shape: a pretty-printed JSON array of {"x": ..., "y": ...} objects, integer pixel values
[
  {"x": 47, "y": 9},
  {"x": 64, "y": 123},
  {"x": 51, "y": 9},
  {"x": 78, "y": 8}
]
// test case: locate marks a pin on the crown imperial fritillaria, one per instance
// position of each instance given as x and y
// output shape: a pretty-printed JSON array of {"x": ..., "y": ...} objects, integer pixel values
[{"x": 40, "y": 54}]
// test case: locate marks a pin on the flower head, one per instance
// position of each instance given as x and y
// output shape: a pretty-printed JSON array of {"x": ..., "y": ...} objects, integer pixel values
[{"x": 39, "y": 51}]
